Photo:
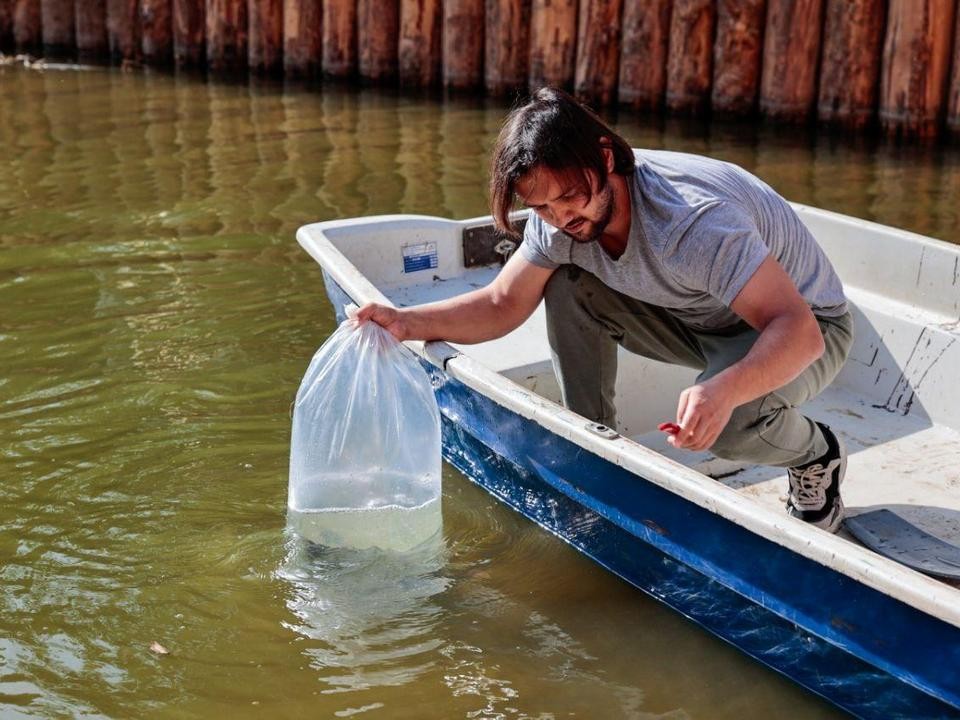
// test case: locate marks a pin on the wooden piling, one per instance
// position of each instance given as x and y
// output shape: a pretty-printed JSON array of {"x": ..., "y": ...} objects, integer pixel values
[
  {"x": 189, "y": 32},
  {"x": 6, "y": 25},
  {"x": 506, "y": 55},
  {"x": 419, "y": 46},
  {"x": 339, "y": 38},
  {"x": 851, "y": 60},
  {"x": 156, "y": 31},
  {"x": 953, "y": 96},
  {"x": 690, "y": 64},
  {"x": 123, "y": 30},
  {"x": 643, "y": 53},
  {"x": 302, "y": 37},
  {"x": 463, "y": 37},
  {"x": 91, "y": 28},
  {"x": 916, "y": 58},
  {"x": 850, "y": 63},
  {"x": 57, "y": 21},
  {"x": 737, "y": 52},
  {"x": 378, "y": 27},
  {"x": 265, "y": 51},
  {"x": 27, "y": 33},
  {"x": 791, "y": 49},
  {"x": 226, "y": 35},
  {"x": 553, "y": 43},
  {"x": 598, "y": 50}
]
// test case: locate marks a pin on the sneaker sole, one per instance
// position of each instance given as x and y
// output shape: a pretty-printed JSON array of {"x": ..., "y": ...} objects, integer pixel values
[{"x": 832, "y": 522}]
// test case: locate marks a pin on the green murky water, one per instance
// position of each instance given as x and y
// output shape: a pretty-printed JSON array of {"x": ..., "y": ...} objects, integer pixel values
[{"x": 155, "y": 318}]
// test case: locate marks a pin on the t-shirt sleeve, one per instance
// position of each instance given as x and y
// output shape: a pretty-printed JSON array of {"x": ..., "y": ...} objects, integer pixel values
[
  {"x": 539, "y": 245},
  {"x": 717, "y": 253}
]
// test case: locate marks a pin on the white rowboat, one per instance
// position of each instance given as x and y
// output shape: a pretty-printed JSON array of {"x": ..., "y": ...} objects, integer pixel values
[{"x": 709, "y": 537}]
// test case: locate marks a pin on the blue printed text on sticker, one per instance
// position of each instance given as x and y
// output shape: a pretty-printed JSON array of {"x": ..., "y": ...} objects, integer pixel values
[{"x": 419, "y": 256}]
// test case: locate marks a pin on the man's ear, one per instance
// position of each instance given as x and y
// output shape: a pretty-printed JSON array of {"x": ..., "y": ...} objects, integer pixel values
[
  {"x": 608, "y": 158},
  {"x": 607, "y": 151}
]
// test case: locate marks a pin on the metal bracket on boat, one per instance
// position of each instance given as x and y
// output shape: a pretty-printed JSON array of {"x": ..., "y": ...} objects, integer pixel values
[
  {"x": 483, "y": 245},
  {"x": 602, "y": 430},
  {"x": 505, "y": 248},
  {"x": 439, "y": 353}
]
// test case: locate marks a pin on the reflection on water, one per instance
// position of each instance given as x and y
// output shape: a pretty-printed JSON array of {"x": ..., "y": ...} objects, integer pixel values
[
  {"x": 179, "y": 158},
  {"x": 373, "y": 614},
  {"x": 155, "y": 318}
]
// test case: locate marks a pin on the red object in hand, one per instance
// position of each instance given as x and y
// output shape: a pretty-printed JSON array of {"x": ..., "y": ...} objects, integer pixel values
[{"x": 670, "y": 428}]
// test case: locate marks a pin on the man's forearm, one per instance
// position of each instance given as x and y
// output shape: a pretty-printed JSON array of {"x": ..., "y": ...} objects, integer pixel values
[
  {"x": 473, "y": 317},
  {"x": 784, "y": 349}
]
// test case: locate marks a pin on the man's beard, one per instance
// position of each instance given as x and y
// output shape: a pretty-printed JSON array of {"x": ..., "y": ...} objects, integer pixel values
[{"x": 591, "y": 230}]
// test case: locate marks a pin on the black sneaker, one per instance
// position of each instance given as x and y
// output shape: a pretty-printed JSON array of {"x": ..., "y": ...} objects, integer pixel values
[{"x": 815, "y": 487}]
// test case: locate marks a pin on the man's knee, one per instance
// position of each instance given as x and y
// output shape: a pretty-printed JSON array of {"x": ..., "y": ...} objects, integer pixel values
[
  {"x": 767, "y": 431},
  {"x": 738, "y": 438}
]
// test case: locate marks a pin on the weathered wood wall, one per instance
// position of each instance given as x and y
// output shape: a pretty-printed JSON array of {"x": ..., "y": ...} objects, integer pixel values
[
  {"x": 265, "y": 36},
  {"x": 791, "y": 51},
  {"x": 643, "y": 53},
  {"x": 189, "y": 32},
  {"x": 227, "y": 28},
  {"x": 419, "y": 51},
  {"x": 916, "y": 64},
  {"x": 6, "y": 25},
  {"x": 737, "y": 55},
  {"x": 598, "y": 50},
  {"x": 851, "y": 61},
  {"x": 855, "y": 63},
  {"x": 463, "y": 43},
  {"x": 690, "y": 60},
  {"x": 378, "y": 26},
  {"x": 508, "y": 49},
  {"x": 123, "y": 30},
  {"x": 27, "y": 35},
  {"x": 339, "y": 38},
  {"x": 57, "y": 21},
  {"x": 302, "y": 37},
  {"x": 553, "y": 43},
  {"x": 91, "y": 27},
  {"x": 156, "y": 23}
]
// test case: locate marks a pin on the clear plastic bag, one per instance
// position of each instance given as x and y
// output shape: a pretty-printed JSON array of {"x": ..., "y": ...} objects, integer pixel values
[{"x": 365, "y": 445}]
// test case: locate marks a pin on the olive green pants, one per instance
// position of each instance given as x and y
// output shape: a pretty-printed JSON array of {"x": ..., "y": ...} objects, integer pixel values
[{"x": 586, "y": 320}]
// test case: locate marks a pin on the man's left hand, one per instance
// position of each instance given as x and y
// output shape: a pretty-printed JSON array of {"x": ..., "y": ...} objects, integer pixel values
[{"x": 702, "y": 413}]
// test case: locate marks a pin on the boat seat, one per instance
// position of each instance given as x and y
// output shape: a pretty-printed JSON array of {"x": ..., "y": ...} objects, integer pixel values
[{"x": 889, "y": 534}]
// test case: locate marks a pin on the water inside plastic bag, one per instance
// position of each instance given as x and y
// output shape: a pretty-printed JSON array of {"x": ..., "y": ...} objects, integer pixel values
[
  {"x": 365, "y": 446},
  {"x": 400, "y": 523}
]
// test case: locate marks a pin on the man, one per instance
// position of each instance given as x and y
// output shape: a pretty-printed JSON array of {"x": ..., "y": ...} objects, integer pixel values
[{"x": 678, "y": 258}]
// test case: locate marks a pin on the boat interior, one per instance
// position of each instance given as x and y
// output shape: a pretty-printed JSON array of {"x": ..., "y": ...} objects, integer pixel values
[{"x": 896, "y": 403}]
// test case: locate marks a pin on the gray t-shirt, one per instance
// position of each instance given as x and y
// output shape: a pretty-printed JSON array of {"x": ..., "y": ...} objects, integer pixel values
[{"x": 699, "y": 230}]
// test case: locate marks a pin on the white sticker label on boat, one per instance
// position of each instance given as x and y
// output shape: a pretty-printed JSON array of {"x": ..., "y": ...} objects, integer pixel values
[{"x": 422, "y": 256}]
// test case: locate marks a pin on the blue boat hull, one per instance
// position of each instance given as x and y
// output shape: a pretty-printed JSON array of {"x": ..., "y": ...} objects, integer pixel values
[{"x": 871, "y": 655}]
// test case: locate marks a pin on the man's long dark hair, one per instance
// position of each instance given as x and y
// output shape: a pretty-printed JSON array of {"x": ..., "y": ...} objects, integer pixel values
[{"x": 552, "y": 131}]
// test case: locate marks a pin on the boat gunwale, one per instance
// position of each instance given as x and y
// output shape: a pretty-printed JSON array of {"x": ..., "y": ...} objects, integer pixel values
[{"x": 843, "y": 556}]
